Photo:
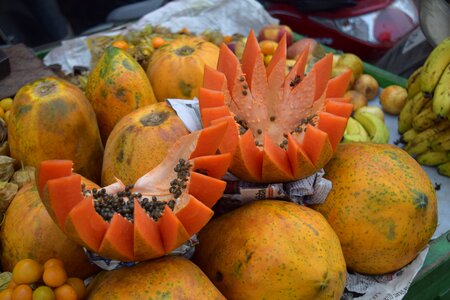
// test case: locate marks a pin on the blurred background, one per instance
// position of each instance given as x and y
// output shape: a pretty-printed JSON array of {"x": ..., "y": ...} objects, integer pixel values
[{"x": 396, "y": 35}]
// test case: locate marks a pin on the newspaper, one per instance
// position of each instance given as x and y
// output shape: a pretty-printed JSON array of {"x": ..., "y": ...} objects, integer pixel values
[
  {"x": 197, "y": 15},
  {"x": 384, "y": 287}
]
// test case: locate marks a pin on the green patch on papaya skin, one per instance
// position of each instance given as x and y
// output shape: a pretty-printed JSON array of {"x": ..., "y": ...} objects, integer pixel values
[
  {"x": 420, "y": 199},
  {"x": 387, "y": 227},
  {"x": 237, "y": 270},
  {"x": 22, "y": 110},
  {"x": 103, "y": 94},
  {"x": 248, "y": 256},
  {"x": 163, "y": 295},
  {"x": 185, "y": 88},
  {"x": 120, "y": 93},
  {"x": 128, "y": 65},
  {"x": 154, "y": 118},
  {"x": 119, "y": 157},
  {"x": 316, "y": 233}
]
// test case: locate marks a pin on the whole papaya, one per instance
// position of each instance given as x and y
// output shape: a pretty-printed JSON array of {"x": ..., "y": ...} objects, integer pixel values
[{"x": 52, "y": 119}]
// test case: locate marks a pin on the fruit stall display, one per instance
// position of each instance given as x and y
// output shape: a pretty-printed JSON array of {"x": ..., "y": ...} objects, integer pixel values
[{"x": 136, "y": 185}]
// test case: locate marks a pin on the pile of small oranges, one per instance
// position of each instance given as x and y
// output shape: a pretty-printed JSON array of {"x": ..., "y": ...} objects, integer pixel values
[{"x": 34, "y": 281}]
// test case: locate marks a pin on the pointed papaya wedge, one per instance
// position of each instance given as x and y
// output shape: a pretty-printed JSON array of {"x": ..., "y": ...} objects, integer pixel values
[
  {"x": 118, "y": 240},
  {"x": 85, "y": 225},
  {"x": 147, "y": 238}
]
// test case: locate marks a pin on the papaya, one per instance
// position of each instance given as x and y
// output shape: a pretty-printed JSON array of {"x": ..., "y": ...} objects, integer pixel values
[
  {"x": 171, "y": 277},
  {"x": 29, "y": 232},
  {"x": 281, "y": 127},
  {"x": 52, "y": 119},
  {"x": 152, "y": 216},
  {"x": 272, "y": 250},
  {"x": 116, "y": 86},
  {"x": 382, "y": 206},
  {"x": 140, "y": 141},
  {"x": 176, "y": 69}
]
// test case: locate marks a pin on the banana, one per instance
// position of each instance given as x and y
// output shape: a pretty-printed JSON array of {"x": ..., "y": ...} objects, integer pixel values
[
  {"x": 405, "y": 118},
  {"x": 422, "y": 141},
  {"x": 444, "y": 169},
  {"x": 409, "y": 135},
  {"x": 419, "y": 101},
  {"x": 441, "y": 96},
  {"x": 355, "y": 132},
  {"x": 441, "y": 142},
  {"x": 432, "y": 158},
  {"x": 434, "y": 66},
  {"x": 425, "y": 119},
  {"x": 413, "y": 85},
  {"x": 378, "y": 131}
]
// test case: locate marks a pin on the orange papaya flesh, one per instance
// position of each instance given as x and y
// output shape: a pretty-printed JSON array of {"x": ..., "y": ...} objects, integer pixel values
[
  {"x": 339, "y": 99},
  {"x": 230, "y": 141},
  {"x": 51, "y": 169},
  {"x": 172, "y": 230},
  {"x": 333, "y": 125},
  {"x": 212, "y": 165},
  {"x": 85, "y": 226},
  {"x": 118, "y": 242},
  {"x": 61, "y": 195},
  {"x": 209, "y": 139},
  {"x": 314, "y": 142},
  {"x": 250, "y": 56},
  {"x": 339, "y": 108},
  {"x": 275, "y": 163},
  {"x": 210, "y": 98},
  {"x": 299, "y": 161},
  {"x": 194, "y": 215},
  {"x": 212, "y": 79},
  {"x": 297, "y": 73},
  {"x": 338, "y": 85},
  {"x": 323, "y": 72},
  {"x": 206, "y": 189},
  {"x": 212, "y": 113},
  {"x": 147, "y": 239}
]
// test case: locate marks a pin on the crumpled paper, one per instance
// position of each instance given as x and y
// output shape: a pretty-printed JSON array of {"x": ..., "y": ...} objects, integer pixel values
[{"x": 197, "y": 15}]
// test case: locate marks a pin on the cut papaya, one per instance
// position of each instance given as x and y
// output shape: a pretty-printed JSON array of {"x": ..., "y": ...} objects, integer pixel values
[
  {"x": 333, "y": 125},
  {"x": 266, "y": 102},
  {"x": 138, "y": 222},
  {"x": 338, "y": 85},
  {"x": 85, "y": 225},
  {"x": 51, "y": 169}
]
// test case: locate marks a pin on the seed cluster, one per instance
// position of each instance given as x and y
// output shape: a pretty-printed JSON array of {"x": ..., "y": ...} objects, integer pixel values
[
  {"x": 106, "y": 205},
  {"x": 179, "y": 184},
  {"x": 244, "y": 85},
  {"x": 305, "y": 121}
]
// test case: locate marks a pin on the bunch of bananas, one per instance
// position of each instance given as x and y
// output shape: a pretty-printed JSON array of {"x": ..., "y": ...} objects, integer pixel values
[{"x": 424, "y": 121}]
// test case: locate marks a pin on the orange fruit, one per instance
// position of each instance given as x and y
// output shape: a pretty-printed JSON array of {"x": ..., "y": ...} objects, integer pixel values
[
  {"x": 54, "y": 276},
  {"x": 6, "y": 294},
  {"x": 27, "y": 271},
  {"x": 65, "y": 292},
  {"x": 22, "y": 292},
  {"x": 43, "y": 293},
  {"x": 78, "y": 286},
  {"x": 52, "y": 262}
]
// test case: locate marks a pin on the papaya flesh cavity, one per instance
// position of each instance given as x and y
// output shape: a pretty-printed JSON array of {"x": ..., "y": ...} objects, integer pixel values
[
  {"x": 149, "y": 218},
  {"x": 272, "y": 112}
]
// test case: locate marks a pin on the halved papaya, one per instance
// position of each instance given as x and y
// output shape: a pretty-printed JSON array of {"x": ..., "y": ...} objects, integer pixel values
[
  {"x": 272, "y": 112},
  {"x": 161, "y": 211}
]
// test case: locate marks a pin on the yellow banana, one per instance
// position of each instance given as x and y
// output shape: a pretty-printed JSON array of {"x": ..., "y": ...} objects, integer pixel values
[
  {"x": 419, "y": 101},
  {"x": 413, "y": 85},
  {"x": 422, "y": 141},
  {"x": 444, "y": 169},
  {"x": 441, "y": 96},
  {"x": 432, "y": 158},
  {"x": 425, "y": 119},
  {"x": 405, "y": 118},
  {"x": 441, "y": 141},
  {"x": 377, "y": 130},
  {"x": 409, "y": 135},
  {"x": 434, "y": 66}
]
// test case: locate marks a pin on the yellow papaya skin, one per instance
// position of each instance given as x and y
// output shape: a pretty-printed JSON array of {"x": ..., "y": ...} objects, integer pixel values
[
  {"x": 382, "y": 206},
  {"x": 52, "y": 119},
  {"x": 117, "y": 86},
  {"x": 139, "y": 142}
]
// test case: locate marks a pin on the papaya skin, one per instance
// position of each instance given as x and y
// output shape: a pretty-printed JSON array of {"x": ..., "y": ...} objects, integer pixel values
[
  {"x": 176, "y": 69},
  {"x": 28, "y": 231},
  {"x": 139, "y": 142},
  {"x": 288, "y": 252},
  {"x": 116, "y": 86},
  {"x": 171, "y": 277},
  {"x": 52, "y": 119},
  {"x": 382, "y": 206}
]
